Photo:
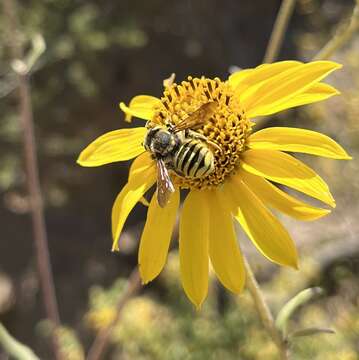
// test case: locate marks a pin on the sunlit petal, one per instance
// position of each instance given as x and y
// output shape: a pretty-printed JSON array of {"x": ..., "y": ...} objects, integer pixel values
[
  {"x": 224, "y": 251},
  {"x": 117, "y": 145},
  {"x": 297, "y": 140},
  {"x": 317, "y": 92},
  {"x": 239, "y": 77},
  {"x": 141, "y": 106},
  {"x": 285, "y": 169},
  {"x": 265, "y": 231},
  {"x": 286, "y": 85},
  {"x": 127, "y": 199},
  {"x": 245, "y": 79},
  {"x": 142, "y": 162},
  {"x": 156, "y": 237},
  {"x": 276, "y": 198},
  {"x": 193, "y": 246}
]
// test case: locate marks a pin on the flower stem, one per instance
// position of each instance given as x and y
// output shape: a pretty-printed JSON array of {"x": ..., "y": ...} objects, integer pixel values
[
  {"x": 341, "y": 36},
  {"x": 32, "y": 173},
  {"x": 98, "y": 347},
  {"x": 264, "y": 312},
  {"x": 279, "y": 29}
]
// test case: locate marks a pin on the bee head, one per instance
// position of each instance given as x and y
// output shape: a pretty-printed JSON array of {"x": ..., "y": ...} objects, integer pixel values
[{"x": 160, "y": 141}]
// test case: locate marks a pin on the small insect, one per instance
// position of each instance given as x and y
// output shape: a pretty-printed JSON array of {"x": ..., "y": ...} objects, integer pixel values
[{"x": 180, "y": 148}]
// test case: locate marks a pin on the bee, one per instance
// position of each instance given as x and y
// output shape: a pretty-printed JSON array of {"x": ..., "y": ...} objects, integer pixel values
[{"x": 178, "y": 147}]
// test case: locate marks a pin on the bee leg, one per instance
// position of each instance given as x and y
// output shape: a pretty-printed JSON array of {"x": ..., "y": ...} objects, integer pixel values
[
  {"x": 196, "y": 135},
  {"x": 214, "y": 145}
]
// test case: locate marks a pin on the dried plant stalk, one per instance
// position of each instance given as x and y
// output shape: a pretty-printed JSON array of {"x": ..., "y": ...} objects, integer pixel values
[
  {"x": 32, "y": 172},
  {"x": 279, "y": 29},
  {"x": 98, "y": 347},
  {"x": 342, "y": 35}
]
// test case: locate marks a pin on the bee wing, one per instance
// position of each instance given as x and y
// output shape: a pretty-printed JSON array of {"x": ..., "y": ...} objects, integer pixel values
[
  {"x": 164, "y": 184},
  {"x": 197, "y": 118}
]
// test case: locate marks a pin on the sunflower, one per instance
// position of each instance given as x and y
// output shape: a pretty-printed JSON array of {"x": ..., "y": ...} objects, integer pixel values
[{"x": 244, "y": 183}]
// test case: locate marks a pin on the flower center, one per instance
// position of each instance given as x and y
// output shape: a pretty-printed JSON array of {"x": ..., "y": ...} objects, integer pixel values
[{"x": 228, "y": 127}]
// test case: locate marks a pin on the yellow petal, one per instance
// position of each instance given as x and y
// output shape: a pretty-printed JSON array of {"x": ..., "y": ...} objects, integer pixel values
[
  {"x": 224, "y": 252},
  {"x": 243, "y": 80},
  {"x": 275, "y": 198},
  {"x": 287, "y": 84},
  {"x": 297, "y": 140},
  {"x": 265, "y": 231},
  {"x": 315, "y": 93},
  {"x": 142, "y": 162},
  {"x": 127, "y": 199},
  {"x": 238, "y": 77},
  {"x": 193, "y": 247},
  {"x": 141, "y": 106},
  {"x": 117, "y": 145},
  {"x": 285, "y": 169},
  {"x": 156, "y": 237}
]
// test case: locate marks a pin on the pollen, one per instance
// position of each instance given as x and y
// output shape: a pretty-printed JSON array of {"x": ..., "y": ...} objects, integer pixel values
[{"x": 228, "y": 127}]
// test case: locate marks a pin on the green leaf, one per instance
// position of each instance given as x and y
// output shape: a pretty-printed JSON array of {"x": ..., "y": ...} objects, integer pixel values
[
  {"x": 293, "y": 304},
  {"x": 310, "y": 331}
]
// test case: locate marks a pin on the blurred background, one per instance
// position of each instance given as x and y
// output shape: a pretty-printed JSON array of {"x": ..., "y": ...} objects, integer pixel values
[{"x": 102, "y": 52}]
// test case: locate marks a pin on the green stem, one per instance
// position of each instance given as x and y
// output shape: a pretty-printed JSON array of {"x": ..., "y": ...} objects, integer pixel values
[
  {"x": 264, "y": 312},
  {"x": 15, "y": 348}
]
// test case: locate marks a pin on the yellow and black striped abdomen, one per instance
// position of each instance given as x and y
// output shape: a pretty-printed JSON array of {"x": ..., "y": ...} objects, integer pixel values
[{"x": 193, "y": 159}]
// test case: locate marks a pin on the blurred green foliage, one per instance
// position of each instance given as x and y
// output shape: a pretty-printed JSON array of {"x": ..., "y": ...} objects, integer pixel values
[
  {"x": 69, "y": 344},
  {"x": 167, "y": 327}
]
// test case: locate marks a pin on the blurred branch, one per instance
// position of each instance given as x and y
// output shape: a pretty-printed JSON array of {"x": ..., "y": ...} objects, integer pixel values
[
  {"x": 341, "y": 36},
  {"x": 264, "y": 312},
  {"x": 101, "y": 341},
  {"x": 33, "y": 182},
  {"x": 279, "y": 29},
  {"x": 14, "y": 347}
]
